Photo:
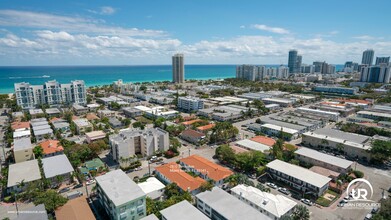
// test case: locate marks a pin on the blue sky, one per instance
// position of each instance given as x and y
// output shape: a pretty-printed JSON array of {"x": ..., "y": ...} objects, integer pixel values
[{"x": 208, "y": 32}]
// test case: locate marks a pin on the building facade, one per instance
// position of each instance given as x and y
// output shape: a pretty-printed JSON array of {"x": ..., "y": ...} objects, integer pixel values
[
  {"x": 131, "y": 142},
  {"x": 190, "y": 103},
  {"x": 382, "y": 60},
  {"x": 52, "y": 93},
  {"x": 376, "y": 74},
  {"x": 121, "y": 198},
  {"x": 178, "y": 68},
  {"x": 292, "y": 61},
  {"x": 367, "y": 57}
]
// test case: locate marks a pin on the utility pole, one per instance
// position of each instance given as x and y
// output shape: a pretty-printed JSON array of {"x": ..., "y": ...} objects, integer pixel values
[
  {"x": 149, "y": 168},
  {"x": 87, "y": 190},
  {"x": 189, "y": 151},
  {"x": 16, "y": 203}
]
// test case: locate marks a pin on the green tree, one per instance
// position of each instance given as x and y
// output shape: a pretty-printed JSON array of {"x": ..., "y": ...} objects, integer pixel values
[
  {"x": 301, "y": 213},
  {"x": 208, "y": 185},
  {"x": 38, "y": 151},
  {"x": 222, "y": 132},
  {"x": 385, "y": 210},
  {"x": 138, "y": 124},
  {"x": 225, "y": 154},
  {"x": 380, "y": 151},
  {"x": 277, "y": 149},
  {"x": 51, "y": 199}
]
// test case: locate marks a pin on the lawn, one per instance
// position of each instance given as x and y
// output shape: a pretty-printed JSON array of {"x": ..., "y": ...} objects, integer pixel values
[{"x": 328, "y": 198}]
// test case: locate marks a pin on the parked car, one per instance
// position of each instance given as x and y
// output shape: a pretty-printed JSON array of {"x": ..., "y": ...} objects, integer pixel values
[
  {"x": 341, "y": 203},
  {"x": 89, "y": 182},
  {"x": 368, "y": 216},
  {"x": 271, "y": 185},
  {"x": 64, "y": 190},
  {"x": 74, "y": 194},
  {"x": 389, "y": 190},
  {"x": 78, "y": 186},
  {"x": 283, "y": 190},
  {"x": 375, "y": 210},
  {"x": 306, "y": 201}
]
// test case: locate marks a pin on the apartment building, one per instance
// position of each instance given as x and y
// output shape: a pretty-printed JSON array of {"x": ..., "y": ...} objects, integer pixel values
[
  {"x": 190, "y": 104},
  {"x": 52, "y": 93},
  {"x": 172, "y": 173},
  {"x": 206, "y": 169},
  {"x": 82, "y": 125},
  {"x": 299, "y": 178},
  {"x": 23, "y": 150},
  {"x": 352, "y": 145},
  {"x": 121, "y": 198},
  {"x": 273, "y": 206},
  {"x": 219, "y": 204},
  {"x": 317, "y": 158},
  {"x": 145, "y": 142}
]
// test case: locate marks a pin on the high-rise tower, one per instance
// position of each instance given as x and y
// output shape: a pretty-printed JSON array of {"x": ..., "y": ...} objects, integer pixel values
[{"x": 178, "y": 68}]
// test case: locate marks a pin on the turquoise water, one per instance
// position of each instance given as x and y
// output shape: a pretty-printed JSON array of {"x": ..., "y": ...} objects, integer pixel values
[{"x": 100, "y": 75}]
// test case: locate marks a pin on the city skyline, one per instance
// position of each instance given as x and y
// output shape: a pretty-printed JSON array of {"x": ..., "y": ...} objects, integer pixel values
[{"x": 112, "y": 33}]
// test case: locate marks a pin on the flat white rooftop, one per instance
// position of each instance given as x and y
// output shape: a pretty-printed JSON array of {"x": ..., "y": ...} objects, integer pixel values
[
  {"x": 300, "y": 173},
  {"x": 325, "y": 158},
  {"x": 119, "y": 188},
  {"x": 229, "y": 206},
  {"x": 152, "y": 184},
  {"x": 279, "y": 128},
  {"x": 253, "y": 145},
  {"x": 317, "y": 111},
  {"x": 26, "y": 171},
  {"x": 277, "y": 205},
  {"x": 56, "y": 165},
  {"x": 183, "y": 211}
]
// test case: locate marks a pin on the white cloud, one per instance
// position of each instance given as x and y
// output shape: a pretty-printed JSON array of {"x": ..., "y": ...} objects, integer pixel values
[
  {"x": 27, "y": 19},
  {"x": 107, "y": 10},
  {"x": 367, "y": 37},
  {"x": 242, "y": 27},
  {"x": 276, "y": 30},
  {"x": 50, "y": 35}
]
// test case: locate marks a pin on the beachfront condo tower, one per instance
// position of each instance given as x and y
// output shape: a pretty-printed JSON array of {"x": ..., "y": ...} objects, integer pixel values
[{"x": 178, "y": 68}]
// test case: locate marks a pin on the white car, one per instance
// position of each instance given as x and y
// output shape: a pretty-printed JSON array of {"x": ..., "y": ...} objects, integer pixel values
[
  {"x": 271, "y": 185},
  {"x": 89, "y": 182},
  {"x": 306, "y": 201}
]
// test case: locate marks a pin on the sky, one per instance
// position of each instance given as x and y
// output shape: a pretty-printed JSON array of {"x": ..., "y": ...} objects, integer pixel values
[{"x": 149, "y": 32}]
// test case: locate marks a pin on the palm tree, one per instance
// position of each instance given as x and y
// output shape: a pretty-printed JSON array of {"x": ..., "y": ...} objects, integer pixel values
[{"x": 301, "y": 213}]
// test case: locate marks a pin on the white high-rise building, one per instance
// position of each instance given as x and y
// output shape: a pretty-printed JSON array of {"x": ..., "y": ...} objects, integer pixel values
[
  {"x": 51, "y": 93},
  {"x": 178, "y": 68},
  {"x": 249, "y": 72}
]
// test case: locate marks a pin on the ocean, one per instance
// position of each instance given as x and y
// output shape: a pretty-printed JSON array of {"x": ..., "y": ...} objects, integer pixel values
[{"x": 101, "y": 75}]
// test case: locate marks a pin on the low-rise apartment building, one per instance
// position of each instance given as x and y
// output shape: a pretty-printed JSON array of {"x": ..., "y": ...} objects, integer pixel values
[
  {"x": 351, "y": 145},
  {"x": 82, "y": 125},
  {"x": 298, "y": 178},
  {"x": 317, "y": 158},
  {"x": 23, "y": 150},
  {"x": 273, "y": 206},
  {"x": 145, "y": 142},
  {"x": 219, "y": 204},
  {"x": 206, "y": 169},
  {"x": 190, "y": 104},
  {"x": 120, "y": 196},
  {"x": 172, "y": 173},
  {"x": 183, "y": 211}
]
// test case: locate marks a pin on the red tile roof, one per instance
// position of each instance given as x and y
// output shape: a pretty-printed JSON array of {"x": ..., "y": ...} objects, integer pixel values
[
  {"x": 204, "y": 166},
  {"x": 51, "y": 146},
  {"x": 192, "y": 133},
  {"x": 173, "y": 172},
  {"x": 77, "y": 209},
  {"x": 206, "y": 127},
  {"x": 264, "y": 140},
  {"x": 20, "y": 125},
  {"x": 191, "y": 122}
]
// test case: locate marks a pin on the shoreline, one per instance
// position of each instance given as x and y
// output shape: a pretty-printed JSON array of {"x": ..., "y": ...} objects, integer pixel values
[{"x": 135, "y": 81}]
